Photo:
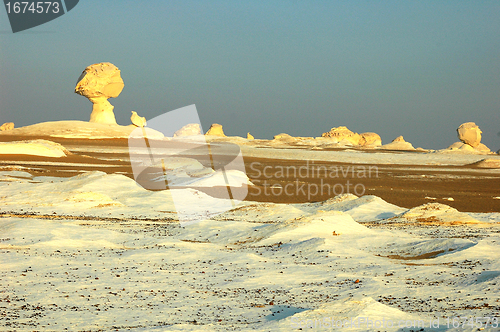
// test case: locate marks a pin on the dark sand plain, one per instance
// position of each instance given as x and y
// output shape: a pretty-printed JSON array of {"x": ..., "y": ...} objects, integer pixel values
[{"x": 466, "y": 188}]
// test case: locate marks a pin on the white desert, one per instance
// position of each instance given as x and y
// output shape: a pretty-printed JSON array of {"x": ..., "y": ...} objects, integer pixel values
[{"x": 333, "y": 230}]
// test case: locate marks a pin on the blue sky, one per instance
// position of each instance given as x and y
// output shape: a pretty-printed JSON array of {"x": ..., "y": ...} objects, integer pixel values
[{"x": 412, "y": 68}]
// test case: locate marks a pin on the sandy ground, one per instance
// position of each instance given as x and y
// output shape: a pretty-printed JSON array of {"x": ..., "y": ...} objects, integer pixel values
[
  {"x": 96, "y": 252},
  {"x": 466, "y": 188}
]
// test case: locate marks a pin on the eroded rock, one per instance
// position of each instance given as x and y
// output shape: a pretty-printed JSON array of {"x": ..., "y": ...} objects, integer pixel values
[
  {"x": 190, "y": 129},
  {"x": 215, "y": 130},
  {"x": 398, "y": 143},
  {"x": 469, "y": 133},
  {"x": 370, "y": 139},
  {"x": 344, "y": 135},
  {"x": 99, "y": 82},
  {"x": 138, "y": 121},
  {"x": 7, "y": 126}
]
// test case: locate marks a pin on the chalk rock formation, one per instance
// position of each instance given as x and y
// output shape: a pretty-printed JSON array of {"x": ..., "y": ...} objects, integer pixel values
[
  {"x": 78, "y": 129},
  {"x": 98, "y": 82},
  {"x": 398, "y": 143},
  {"x": 284, "y": 137},
  {"x": 461, "y": 146},
  {"x": 466, "y": 148},
  {"x": 436, "y": 213},
  {"x": 469, "y": 133},
  {"x": 343, "y": 135},
  {"x": 250, "y": 137},
  {"x": 370, "y": 139},
  {"x": 470, "y": 137},
  {"x": 39, "y": 147},
  {"x": 482, "y": 148},
  {"x": 137, "y": 120},
  {"x": 190, "y": 129},
  {"x": 7, "y": 126},
  {"x": 215, "y": 130}
]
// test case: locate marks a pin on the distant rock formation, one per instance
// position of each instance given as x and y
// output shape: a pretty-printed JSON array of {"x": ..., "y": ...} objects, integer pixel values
[
  {"x": 39, "y": 147},
  {"x": 98, "y": 82},
  {"x": 284, "y": 138},
  {"x": 7, "y": 126},
  {"x": 215, "y": 130},
  {"x": 466, "y": 148},
  {"x": 469, "y": 133},
  {"x": 343, "y": 135},
  {"x": 250, "y": 137},
  {"x": 79, "y": 130},
  {"x": 137, "y": 120},
  {"x": 190, "y": 129},
  {"x": 487, "y": 163},
  {"x": 398, "y": 143},
  {"x": 370, "y": 139},
  {"x": 437, "y": 213},
  {"x": 347, "y": 137},
  {"x": 470, "y": 137}
]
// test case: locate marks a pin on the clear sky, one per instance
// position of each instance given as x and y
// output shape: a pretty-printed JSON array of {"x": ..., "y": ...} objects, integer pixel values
[{"x": 412, "y": 68}]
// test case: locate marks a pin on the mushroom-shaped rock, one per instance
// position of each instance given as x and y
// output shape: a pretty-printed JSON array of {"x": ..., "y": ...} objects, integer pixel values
[
  {"x": 190, "y": 129},
  {"x": 98, "y": 82},
  {"x": 398, "y": 143},
  {"x": 137, "y": 120},
  {"x": 342, "y": 133},
  {"x": 7, "y": 126},
  {"x": 469, "y": 133},
  {"x": 370, "y": 139},
  {"x": 250, "y": 137},
  {"x": 215, "y": 130}
]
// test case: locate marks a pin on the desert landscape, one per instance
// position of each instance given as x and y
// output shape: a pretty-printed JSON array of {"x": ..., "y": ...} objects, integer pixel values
[{"x": 329, "y": 232}]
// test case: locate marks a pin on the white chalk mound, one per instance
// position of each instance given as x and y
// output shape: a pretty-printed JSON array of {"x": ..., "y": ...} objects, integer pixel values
[
  {"x": 78, "y": 130},
  {"x": 190, "y": 129},
  {"x": 487, "y": 163},
  {"x": 284, "y": 137},
  {"x": 398, "y": 143},
  {"x": 98, "y": 82},
  {"x": 466, "y": 148},
  {"x": 40, "y": 147},
  {"x": 436, "y": 213}
]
